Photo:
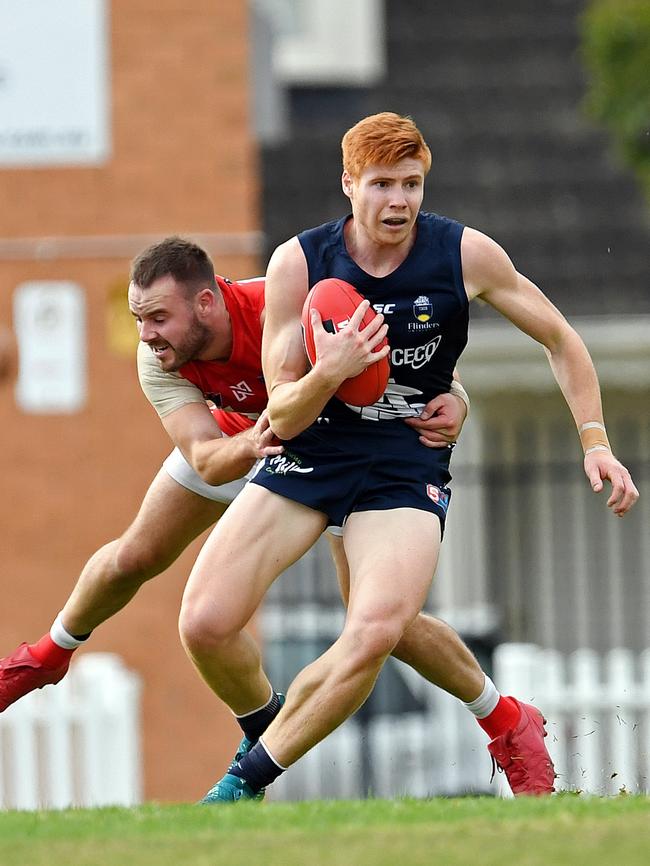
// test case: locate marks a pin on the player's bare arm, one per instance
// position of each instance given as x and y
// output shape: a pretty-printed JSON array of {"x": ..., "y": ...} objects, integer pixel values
[
  {"x": 488, "y": 273},
  {"x": 192, "y": 428},
  {"x": 297, "y": 396},
  {"x": 216, "y": 458}
]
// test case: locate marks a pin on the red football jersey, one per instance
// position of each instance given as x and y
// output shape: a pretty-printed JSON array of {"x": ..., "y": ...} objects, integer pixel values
[{"x": 236, "y": 384}]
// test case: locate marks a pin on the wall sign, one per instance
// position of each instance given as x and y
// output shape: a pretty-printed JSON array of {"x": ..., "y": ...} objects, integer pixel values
[
  {"x": 54, "y": 90},
  {"x": 50, "y": 328}
]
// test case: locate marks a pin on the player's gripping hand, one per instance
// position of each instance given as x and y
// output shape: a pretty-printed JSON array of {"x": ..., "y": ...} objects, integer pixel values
[
  {"x": 351, "y": 349},
  {"x": 441, "y": 421},
  {"x": 602, "y": 466},
  {"x": 262, "y": 439}
]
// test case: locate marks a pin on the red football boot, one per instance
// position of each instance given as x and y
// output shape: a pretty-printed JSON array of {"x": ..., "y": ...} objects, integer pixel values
[
  {"x": 522, "y": 754},
  {"x": 21, "y": 673}
]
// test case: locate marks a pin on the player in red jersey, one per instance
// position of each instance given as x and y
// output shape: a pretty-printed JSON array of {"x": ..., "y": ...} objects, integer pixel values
[{"x": 201, "y": 340}]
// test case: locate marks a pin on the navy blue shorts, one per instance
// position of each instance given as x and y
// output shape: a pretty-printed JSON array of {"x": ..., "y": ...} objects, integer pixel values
[{"x": 366, "y": 466}]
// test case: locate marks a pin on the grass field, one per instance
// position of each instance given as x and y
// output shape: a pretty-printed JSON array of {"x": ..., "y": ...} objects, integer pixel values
[{"x": 566, "y": 829}]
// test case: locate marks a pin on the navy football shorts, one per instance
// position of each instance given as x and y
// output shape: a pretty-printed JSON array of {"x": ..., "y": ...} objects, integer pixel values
[{"x": 366, "y": 466}]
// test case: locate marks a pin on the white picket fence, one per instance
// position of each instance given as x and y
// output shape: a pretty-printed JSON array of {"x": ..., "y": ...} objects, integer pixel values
[
  {"x": 78, "y": 743},
  {"x": 74, "y": 744},
  {"x": 440, "y": 751},
  {"x": 598, "y": 711}
]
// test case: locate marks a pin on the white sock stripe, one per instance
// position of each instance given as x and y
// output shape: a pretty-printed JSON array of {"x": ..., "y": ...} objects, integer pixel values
[
  {"x": 266, "y": 749},
  {"x": 61, "y": 637},
  {"x": 250, "y": 712},
  {"x": 486, "y": 701}
]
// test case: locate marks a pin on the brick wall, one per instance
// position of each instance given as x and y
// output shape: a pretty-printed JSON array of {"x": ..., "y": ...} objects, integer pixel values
[{"x": 182, "y": 161}]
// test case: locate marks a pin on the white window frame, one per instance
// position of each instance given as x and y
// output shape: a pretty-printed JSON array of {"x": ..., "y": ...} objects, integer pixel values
[{"x": 341, "y": 42}]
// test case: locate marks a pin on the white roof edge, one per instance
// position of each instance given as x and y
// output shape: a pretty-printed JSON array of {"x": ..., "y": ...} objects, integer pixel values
[{"x": 499, "y": 356}]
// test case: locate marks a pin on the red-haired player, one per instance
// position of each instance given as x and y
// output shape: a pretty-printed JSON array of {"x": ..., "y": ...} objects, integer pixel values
[
  {"x": 367, "y": 469},
  {"x": 201, "y": 340}
]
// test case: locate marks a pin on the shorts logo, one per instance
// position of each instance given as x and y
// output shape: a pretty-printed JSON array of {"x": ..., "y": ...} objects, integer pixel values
[
  {"x": 242, "y": 390},
  {"x": 436, "y": 495},
  {"x": 422, "y": 308},
  {"x": 416, "y": 356},
  {"x": 282, "y": 464}
]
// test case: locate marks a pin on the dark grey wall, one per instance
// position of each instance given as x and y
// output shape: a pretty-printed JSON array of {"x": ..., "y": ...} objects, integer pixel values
[{"x": 497, "y": 89}]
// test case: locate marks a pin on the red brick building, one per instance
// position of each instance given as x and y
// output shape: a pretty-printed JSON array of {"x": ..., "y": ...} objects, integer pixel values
[{"x": 180, "y": 160}]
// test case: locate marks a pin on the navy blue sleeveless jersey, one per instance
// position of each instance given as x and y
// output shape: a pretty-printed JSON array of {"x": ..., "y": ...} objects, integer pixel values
[
  {"x": 333, "y": 466},
  {"x": 424, "y": 304}
]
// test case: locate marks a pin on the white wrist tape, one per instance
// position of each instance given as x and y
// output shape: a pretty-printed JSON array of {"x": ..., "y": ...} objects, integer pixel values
[
  {"x": 593, "y": 437},
  {"x": 596, "y": 448},
  {"x": 458, "y": 391},
  {"x": 591, "y": 425}
]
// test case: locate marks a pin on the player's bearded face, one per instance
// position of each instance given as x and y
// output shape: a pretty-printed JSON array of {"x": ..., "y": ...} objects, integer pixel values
[
  {"x": 187, "y": 347},
  {"x": 170, "y": 322}
]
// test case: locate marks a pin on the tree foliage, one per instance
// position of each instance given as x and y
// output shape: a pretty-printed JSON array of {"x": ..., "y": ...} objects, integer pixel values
[{"x": 616, "y": 50}]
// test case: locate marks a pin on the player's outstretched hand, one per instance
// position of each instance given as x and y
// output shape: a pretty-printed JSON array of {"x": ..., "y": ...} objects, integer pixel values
[
  {"x": 262, "y": 438},
  {"x": 441, "y": 421},
  {"x": 602, "y": 466}
]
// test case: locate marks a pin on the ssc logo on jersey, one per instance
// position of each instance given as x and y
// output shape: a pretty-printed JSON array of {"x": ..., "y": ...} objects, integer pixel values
[{"x": 422, "y": 308}]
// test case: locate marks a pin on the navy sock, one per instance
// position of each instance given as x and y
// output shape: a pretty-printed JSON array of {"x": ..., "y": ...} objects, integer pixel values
[
  {"x": 254, "y": 724},
  {"x": 257, "y": 768}
]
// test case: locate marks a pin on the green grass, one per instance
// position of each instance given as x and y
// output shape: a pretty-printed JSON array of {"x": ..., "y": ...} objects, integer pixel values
[{"x": 565, "y": 829}]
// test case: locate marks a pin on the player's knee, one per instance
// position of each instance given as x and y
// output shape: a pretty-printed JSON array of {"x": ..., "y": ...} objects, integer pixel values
[
  {"x": 136, "y": 561},
  {"x": 201, "y": 631},
  {"x": 372, "y": 638},
  {"x": 423, "y": 631}
]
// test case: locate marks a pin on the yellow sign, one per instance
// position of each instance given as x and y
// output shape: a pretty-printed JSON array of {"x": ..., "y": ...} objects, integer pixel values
[{"x": 121, "y": 332}]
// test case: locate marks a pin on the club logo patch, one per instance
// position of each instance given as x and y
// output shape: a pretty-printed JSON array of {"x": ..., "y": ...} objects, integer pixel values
[
  {"x": 438, "y": 496},
  {"x": 422, "y": 308},
  {"x": 423, "y": 315}
]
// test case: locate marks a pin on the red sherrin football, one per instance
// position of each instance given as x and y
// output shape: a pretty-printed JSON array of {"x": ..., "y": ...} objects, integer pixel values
[{"x": 336, "y": 301}]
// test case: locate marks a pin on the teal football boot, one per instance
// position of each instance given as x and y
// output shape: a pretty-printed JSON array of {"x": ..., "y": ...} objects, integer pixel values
[
  {"x": 246, "y": 745},
  {"x": 231, "y": 789}
]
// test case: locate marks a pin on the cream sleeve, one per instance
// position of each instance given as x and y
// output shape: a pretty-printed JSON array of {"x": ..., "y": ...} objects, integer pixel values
[{"x": 166, "y": 392}]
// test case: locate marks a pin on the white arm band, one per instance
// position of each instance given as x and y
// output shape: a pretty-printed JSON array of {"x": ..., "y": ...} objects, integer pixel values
[{"x": 458, "y": 391}]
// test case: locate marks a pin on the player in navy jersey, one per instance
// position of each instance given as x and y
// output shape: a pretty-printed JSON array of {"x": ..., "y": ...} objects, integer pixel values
[
  {"x": 201, "y": 339},
  {"x": 367, "y": 469}
]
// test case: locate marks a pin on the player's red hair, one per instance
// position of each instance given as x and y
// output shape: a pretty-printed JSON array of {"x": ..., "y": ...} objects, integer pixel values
[{"x": 383, "y": 139}]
